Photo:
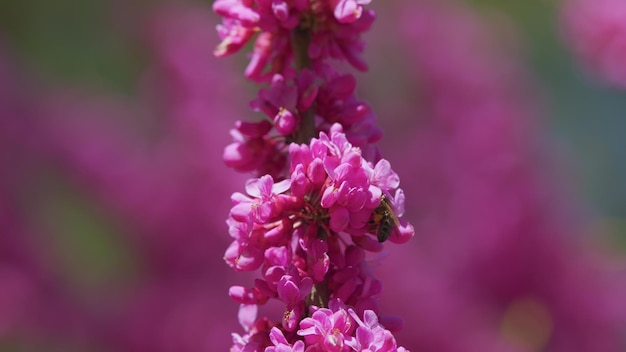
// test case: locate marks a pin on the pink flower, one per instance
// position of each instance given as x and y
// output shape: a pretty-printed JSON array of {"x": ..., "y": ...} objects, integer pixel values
[
  {"x": 338, "y": 24},
  {"x": 292, "y": 290},
  {"x": 371, "y": 336},
  {"x": 254, "y": 150},
  {"x": 347, "y": 11},
  {"x": 294, "y": 231},
  {"x": 234, "y": 36},
  {"x": 328, "y": 329}
]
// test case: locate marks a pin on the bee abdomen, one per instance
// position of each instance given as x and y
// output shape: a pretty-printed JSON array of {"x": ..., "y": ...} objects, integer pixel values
[{"x": 385, "y": 228}]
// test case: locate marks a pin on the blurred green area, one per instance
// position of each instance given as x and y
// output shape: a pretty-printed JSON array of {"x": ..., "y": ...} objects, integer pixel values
[
  {"x": 83, "y": 233},
  {"x": 587, "y": 119},
  {"x": 72, "y": 41}
]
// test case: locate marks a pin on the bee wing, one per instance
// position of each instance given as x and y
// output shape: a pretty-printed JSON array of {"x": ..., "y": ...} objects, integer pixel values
[{"x": 389, "y": 210}]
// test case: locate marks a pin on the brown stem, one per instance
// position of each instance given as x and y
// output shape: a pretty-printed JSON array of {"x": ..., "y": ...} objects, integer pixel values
[
  {"x": 319, "y": 295},
  {"x": 300, "y": 42},
  {"x": 301, "y": 39}
]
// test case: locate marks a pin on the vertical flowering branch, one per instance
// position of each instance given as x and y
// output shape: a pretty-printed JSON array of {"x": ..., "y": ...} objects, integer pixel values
[{"x": 323, "y": 196}]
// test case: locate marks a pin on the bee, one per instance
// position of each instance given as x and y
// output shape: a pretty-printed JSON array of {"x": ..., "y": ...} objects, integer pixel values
[{"x": 385, "y": 219}]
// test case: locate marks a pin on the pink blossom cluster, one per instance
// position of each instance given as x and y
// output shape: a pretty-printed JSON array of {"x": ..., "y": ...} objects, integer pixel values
[
  {"x": 309, "y": 234},
  {"x": 302, "y": 84},
  {"x": 259, "y": 147},
  {"x": 334, "y": 26},
  {"x": 596, "y": 31},
  {"x": 319, "y": 203},
  {"x": 332, "y": 329}
]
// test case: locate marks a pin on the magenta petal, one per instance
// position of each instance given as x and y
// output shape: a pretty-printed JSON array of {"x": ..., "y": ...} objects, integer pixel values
[
  {"x": 316, "y": 172},
  {"x": 339, "y": 219},
  {"x": 238, "y": 156},
  {"x": 384, "y": 176},
  {"x": 403, "y": 232},
  {"x": 253, "y": 187},
  {"x": 280, "y": 187},
  {"x": 370, "y": 319},
  {"x": 247, "y": 315},
  {"x": 329, "y": 197},
  {"x": 291, "y": 317},
  {"x": 253, "y": 129},
  {"x": 365, "y": 336},
  {"x": 286, "y": 122},
  {"x": 347, "y": 11},
  {"x": 277, "y": 337},
  {"x": 280, "y": 9},
  {"x": 288, "y": 290},
  {"x": 300, "y": 184},
  {"x": 244, "y": 295}
]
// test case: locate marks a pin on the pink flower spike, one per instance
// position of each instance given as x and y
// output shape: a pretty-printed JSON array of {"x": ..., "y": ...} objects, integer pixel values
[{"x": 308, "y": 219}]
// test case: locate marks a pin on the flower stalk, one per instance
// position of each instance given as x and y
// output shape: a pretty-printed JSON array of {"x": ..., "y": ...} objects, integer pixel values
[{"x": 321, "y": 196}]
